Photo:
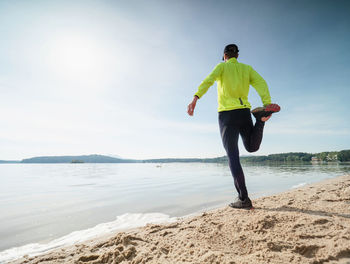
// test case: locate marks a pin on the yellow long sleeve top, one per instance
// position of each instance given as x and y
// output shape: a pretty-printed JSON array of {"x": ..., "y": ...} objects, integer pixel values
[{"x": 233, "y": 81}]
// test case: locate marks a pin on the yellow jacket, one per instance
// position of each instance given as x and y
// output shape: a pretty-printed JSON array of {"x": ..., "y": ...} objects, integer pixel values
[{"x": 233, "y": 80}]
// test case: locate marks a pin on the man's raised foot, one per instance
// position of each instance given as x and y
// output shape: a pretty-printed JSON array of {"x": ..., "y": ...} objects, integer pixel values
[{"x": 264, "y": 113}]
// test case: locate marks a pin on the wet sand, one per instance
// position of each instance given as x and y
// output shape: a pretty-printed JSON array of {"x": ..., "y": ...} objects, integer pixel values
[{"x": 310, "y": 224}]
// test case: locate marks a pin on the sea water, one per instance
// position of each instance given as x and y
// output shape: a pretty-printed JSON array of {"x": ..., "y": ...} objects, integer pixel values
[{"x": 45, "y": 206}]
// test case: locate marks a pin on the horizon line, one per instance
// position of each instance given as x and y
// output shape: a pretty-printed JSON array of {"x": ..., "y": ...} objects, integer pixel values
[{"x": 122, "y": 158}]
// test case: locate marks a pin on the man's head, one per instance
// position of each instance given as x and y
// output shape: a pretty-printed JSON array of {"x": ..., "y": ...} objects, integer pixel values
[{"x": 230, "y": 51}]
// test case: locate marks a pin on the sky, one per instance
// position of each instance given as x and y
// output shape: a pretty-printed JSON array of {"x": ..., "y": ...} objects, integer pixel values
[{"x": 115, "y": 77}]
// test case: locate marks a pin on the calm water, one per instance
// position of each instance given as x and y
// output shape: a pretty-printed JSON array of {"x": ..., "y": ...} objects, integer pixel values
[{"x": 41, "y": 202}]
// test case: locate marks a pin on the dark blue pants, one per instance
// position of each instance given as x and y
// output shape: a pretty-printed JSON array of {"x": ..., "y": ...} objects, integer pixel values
[{"x": 232, "y": 124}]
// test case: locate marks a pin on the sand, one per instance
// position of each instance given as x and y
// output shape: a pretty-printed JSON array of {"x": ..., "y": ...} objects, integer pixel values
[{"x": 310, "y": 224}]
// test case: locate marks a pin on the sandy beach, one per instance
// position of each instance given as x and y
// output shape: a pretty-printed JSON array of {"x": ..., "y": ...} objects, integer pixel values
[{"x": 310, "y": 224}]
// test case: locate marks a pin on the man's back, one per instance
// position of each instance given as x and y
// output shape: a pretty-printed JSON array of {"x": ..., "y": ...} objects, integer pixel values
[{"x": 233, "y": 81}]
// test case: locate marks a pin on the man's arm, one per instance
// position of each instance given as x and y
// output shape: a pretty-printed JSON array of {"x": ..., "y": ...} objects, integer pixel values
[
  {"x": 204, "y": 86},
  {"x": 260, "y": 86},
  {"x": 209, "y": 80}
]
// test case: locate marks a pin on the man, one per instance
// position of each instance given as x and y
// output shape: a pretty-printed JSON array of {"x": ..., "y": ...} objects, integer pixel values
[{"x": 233, "y": 81}]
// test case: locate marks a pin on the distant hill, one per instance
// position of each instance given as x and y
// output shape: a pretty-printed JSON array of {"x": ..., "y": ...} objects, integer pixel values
[
  {"x": 107, "y": 159},
  {"x": 333, "y": 156},
  {"x": 76, "y": 159},
  {"x": 9, "y": 161}
]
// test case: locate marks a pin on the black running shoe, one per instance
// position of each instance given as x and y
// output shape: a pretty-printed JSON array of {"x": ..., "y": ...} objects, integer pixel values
[
  {"x": 245, "y": 204},
  {"x": 266, "y": 111}
]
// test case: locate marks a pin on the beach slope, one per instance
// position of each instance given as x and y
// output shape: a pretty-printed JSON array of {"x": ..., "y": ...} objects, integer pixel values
[{"x": 310, "y": 224}]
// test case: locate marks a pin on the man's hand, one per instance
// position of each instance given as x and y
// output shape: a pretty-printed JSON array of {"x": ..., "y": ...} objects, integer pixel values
[{"x": 192, "y": 105}]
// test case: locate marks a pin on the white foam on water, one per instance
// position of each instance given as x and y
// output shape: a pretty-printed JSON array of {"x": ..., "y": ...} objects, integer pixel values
[
  {"x": 122, "y": 222},
  {"x": 299, "y": 185}
]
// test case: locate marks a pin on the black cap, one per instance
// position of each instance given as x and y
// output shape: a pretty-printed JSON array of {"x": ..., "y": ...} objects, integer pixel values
[{"x": 231, "y": 48}]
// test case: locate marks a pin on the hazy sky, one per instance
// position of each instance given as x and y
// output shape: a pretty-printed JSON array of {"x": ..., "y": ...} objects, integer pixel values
[{"x": 115, "y": 77}]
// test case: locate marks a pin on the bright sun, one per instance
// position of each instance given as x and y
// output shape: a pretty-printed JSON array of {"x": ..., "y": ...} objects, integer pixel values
[{"x": 75, "y": 57}]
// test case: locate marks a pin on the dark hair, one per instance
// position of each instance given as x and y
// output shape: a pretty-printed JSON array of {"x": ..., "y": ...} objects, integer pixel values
[
  {"x": 231, "y": 51},
  {"x": 231, "y": 54}
]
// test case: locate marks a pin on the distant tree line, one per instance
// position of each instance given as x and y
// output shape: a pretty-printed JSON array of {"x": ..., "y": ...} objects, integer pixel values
[
  {"x": 342, "y": 156},
  {"x": 283, "y": 157}
]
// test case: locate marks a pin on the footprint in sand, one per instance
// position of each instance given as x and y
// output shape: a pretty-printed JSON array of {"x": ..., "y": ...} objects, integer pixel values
[
  {"x": 320, "y": 221},
  {"x": 291, "y": 201},
  {"x": 308, "y": 251}
]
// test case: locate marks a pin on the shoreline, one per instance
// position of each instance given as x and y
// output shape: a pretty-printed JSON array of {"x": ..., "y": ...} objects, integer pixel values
[{"x": 310, "y": 224}]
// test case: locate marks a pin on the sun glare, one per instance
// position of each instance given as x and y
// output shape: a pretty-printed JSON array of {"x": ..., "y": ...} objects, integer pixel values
[{"x": 75, "y": 57}]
